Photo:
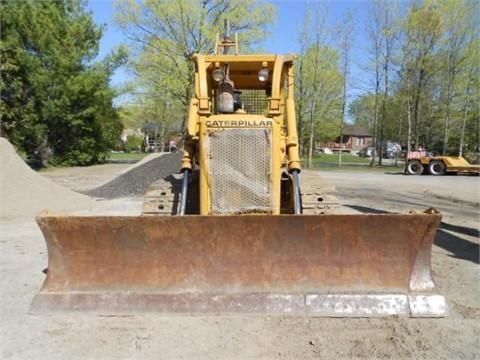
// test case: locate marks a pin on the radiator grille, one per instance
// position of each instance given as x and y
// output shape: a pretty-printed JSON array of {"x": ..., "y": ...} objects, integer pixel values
[
  {"x": 254, "y": 101},
  {"x": 239, "y": 164}
]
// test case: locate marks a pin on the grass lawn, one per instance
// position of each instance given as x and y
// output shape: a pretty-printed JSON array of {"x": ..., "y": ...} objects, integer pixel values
[
  {"x": 333, "y": 159},
  {"x": 327, "y": 162},
  {"x": 134, "y": 156}
]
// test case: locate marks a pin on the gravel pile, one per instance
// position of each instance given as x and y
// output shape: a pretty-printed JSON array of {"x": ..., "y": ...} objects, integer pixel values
[
  {"x": 24, "y": 193},
  {"x": 136, "y": 181}
]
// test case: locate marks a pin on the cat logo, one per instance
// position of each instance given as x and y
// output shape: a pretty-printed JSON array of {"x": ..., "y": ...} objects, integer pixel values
[{"x": 239, "y": 123}]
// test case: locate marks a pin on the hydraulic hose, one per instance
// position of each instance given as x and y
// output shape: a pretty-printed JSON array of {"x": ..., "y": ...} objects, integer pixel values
[
  {"x": 183, "y": 199},
  {"x": 296, "y": 193}
]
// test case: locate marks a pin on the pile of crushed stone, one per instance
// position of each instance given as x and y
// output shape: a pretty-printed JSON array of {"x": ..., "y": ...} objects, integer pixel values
[
  {"x": 146, "y": 159},
  {"x": 24, "y": 193},
  {"x": 136, "y": 180}
]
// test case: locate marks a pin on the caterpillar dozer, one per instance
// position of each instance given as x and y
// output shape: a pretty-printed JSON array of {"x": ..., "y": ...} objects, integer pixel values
[{"x": 235, "y": 233}]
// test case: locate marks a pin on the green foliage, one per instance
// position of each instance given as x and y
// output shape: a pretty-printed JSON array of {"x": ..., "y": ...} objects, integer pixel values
[
  {"x": 133, "y": 143},
  {"x": 436, "y": 86},
  {"x": 322, "y": 91},
  {"x": 131, "y": 116},
  {"x": 56, "y": 105},
  {"x": 123, "y": 157},
  {"x": 165, "y": 34},
  {"x": 319, "y": 85},
  {"x": 362, "y": 110}
]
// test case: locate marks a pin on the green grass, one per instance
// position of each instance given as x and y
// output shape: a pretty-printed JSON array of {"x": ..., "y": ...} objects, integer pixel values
[
  {"x": 127, "y": 156},
  {"x": 327, "y": 162},
  {"x": 333, "y": 159},
  {"x": 359, "y": 168}
]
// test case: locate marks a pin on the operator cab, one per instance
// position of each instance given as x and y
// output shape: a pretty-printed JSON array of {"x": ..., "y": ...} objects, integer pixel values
[{"x": 240, "y": 87}]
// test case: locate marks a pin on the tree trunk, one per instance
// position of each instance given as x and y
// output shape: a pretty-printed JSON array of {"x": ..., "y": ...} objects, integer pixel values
[
  {"x": 375, "y": 119},
  {"x": 464, "y": 120},
  {"x": 162, "y": 136},
  {"x": 311, "y": 137},
  {"x": 344, "y": 103},
  {"x": 447, "y": 115},
  {"x": 409, "y": 121}
]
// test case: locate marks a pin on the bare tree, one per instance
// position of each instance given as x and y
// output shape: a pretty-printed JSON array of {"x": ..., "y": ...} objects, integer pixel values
[
  {"x": 471, "y": 75},
  {"x": 389, "y": 37},
  {"x": 457, "y": 29},
  {"x": 317, "y": 80},
  {"x": 464, "y": 118},
  {"x": 345, "y": 38},
  {"x": 422, "y": 33},
  {"x": 374, "y": 33}
]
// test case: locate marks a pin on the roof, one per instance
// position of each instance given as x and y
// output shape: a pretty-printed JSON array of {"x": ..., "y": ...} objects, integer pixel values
[{"x": 356, "y": 131}]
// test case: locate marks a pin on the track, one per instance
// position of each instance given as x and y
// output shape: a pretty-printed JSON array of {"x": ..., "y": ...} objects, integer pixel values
[
  {"x": 316, "y": 200},
  {"x": 163, "y": 197}
]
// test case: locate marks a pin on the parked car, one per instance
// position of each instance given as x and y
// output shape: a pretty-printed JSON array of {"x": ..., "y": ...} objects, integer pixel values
[
  {"x": 391, "y": 150},
  {"x": 367, "y": 151},
  {"x": 324, "y": 150}
]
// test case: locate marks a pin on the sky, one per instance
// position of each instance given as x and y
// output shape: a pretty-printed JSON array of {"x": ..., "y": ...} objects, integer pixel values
[{"x": 284, "y": 33}]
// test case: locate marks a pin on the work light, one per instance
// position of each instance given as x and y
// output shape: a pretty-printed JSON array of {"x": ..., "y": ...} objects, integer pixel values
[
  {"x": 263, "y": 74},
  {"x": 218, "y": 75}
]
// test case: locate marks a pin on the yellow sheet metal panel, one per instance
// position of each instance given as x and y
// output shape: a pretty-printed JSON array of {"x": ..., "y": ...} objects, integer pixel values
[
  {"x": 238, "y": 160},
  {"x": 456, "y": 161}
]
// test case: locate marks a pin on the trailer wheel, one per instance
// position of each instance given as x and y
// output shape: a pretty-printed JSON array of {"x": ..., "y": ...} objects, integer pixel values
[
  {"x": 437, "y": 167},
  {"x": 414, "y": 167}
]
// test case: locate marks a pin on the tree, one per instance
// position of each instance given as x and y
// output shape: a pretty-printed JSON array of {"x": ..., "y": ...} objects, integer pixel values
[
  {"x": 56, "y": 103},
  {"x": 363, "y": 111},
  {"x": 459, "y": 31},
  {"x": 422, "y": 32},
  {"x": 425, "y": 75},
  {"x": 318, "y": 84},
  {"x": 321, "y": 99},
  {"x": 388, "y": 36},
  {"x": 375, "y": 36},
  {"x": 166, "y": 33},
  {"x": 470, "y": 100},
  {"x": 345, "y": 38}
]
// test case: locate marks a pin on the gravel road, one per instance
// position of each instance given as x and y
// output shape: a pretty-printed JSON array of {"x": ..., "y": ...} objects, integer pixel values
[{"x": 157, "y": 336}]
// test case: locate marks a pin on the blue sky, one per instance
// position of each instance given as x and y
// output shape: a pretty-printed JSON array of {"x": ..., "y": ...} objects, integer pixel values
[{"x": 284, "y": 33}]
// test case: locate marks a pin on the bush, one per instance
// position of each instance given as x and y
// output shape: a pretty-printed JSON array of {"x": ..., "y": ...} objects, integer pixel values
[{"x": 133, "y": 143}]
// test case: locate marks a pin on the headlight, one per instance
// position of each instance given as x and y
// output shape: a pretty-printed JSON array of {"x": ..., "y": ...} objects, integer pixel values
[
  {"x": 263, "y": 74},
  {"x": 218, "y": 75}
]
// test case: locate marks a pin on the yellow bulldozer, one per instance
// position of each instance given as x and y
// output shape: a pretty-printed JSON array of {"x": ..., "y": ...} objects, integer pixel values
[{"x": 237, "y": 236}]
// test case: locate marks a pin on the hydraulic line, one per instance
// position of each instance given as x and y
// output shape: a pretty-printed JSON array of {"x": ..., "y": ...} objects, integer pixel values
[
  {"x": 296, "y": 193},
  {"x": 183, "y": 203}
]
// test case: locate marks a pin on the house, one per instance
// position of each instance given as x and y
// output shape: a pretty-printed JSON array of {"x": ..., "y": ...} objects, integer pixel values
[{"x": 354, "y": 139}]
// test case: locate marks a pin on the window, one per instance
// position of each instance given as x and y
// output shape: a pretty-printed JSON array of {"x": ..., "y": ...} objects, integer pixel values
[{"x": 360, "y": 141}]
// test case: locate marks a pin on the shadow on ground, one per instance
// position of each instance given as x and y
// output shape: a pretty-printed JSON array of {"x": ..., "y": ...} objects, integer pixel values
[
  {"x": 459, "y": 247},
  {"x": 399, "y": 172}
]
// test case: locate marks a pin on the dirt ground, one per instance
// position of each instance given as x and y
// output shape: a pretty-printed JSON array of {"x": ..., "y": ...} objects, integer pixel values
[{"x": 159, "y": 336}]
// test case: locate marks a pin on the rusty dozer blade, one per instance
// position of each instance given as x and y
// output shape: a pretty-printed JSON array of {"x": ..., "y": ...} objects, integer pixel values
[{"x": 328, "y": 265}]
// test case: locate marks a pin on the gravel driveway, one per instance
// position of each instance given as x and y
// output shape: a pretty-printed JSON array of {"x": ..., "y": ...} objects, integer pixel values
[{"x": 157, "y": 336}]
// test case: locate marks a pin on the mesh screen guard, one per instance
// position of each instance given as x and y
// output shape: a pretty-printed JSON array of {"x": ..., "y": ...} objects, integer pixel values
[{"x": 240, "y": 167}]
